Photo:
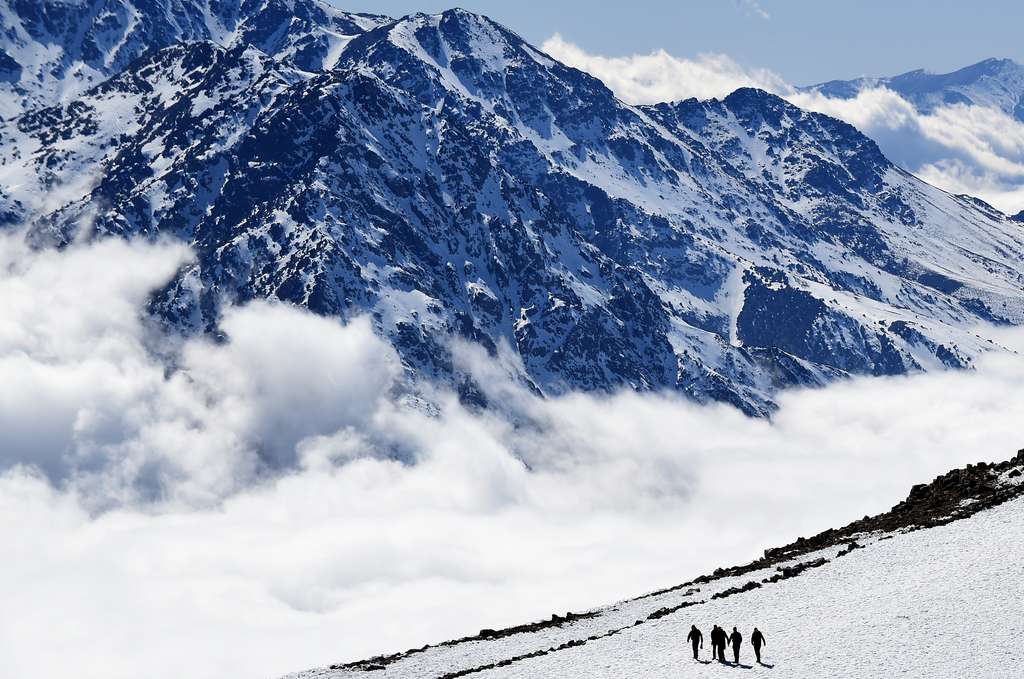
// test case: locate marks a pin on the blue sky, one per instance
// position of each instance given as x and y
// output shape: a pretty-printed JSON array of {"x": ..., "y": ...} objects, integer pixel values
[{"x": 804, "y": 41}]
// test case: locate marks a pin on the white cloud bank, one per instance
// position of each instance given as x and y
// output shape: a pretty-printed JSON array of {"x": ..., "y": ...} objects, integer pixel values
[
  {"x": 659, "y": 76},
  {"x": 267, "y": 506},
  {"x": 959, "y": 148},
  {"x": 88, "y": 402}
]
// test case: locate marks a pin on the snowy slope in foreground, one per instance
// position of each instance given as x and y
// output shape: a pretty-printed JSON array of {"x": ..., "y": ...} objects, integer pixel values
[{"x": 937, "y": 602}]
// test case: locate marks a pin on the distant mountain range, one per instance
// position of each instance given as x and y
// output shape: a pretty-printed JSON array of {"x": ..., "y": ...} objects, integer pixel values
[
  {"x": 450, "y": 180},
  {"x": 996, "y": 83}
]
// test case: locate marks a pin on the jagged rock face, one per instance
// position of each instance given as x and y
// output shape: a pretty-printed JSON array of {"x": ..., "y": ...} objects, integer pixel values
[
  {"x": 996, "y": 83},
  {"x": 51, "y": 50},
  {"x": 451, "y": 180}
]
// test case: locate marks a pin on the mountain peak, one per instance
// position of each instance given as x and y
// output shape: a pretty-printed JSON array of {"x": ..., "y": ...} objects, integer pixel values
[
  {"x": 465, "y": 13},
  {"x": 456, "y": 35},
  {"x": 997, "y": 62},
  {"x": 458, "y": 54},
  {"x": 961, "y": 76},
  {"x": 752, "y": 93}
]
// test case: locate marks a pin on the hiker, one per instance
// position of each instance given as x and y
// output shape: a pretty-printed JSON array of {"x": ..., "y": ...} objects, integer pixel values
[
  {"x": 718, "y": 643},
  {"x": 757, "y": 639},
  {"x": 695, "y": 637},
  {"x": 736, "y": 639}
]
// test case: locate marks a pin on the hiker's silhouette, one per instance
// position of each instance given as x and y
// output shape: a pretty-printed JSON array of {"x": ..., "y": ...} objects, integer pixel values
[
  {"x": 757, "y": 640},
  {"x": 718, "y": 643},
  {"x": 695, "y": 637},
  {"x": 736, "y": 639}
]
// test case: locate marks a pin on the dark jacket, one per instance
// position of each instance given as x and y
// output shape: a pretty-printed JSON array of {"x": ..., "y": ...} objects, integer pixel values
[
  {"x": 695, "y": 636},
  {"x": 736, "y": 638},
  {"x": 757, "y": 639}
]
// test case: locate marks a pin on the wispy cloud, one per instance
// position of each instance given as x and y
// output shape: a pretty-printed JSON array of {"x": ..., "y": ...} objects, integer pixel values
[
  {"x": 754, "y": 7},
  {"x": 660, "y": 76}
]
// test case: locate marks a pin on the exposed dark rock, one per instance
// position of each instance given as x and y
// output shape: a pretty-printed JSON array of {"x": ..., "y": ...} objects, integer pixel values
[
  {"x": 736, "y": 590},
  {"x": 785, "y": 572},
  {"x": 380, "y": 662},
  {"x": 954, "y": 495},
  {"x": 849, "y": 548}
]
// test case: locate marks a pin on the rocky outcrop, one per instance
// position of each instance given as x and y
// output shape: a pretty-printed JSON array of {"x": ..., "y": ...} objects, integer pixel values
[{"x": 954, "y": 495}]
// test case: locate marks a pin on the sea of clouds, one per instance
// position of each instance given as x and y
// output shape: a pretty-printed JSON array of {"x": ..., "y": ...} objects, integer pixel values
[
  {"x": 963, "y": 149},
  {"x": 268, "y": 501}
]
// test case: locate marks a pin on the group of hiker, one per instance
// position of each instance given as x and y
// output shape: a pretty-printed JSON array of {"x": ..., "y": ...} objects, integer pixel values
[{"x": 719, "y": 639}]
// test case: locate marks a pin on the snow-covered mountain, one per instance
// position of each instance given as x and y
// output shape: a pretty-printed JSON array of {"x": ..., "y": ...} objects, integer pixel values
[
  {"x": 52, "y": 50},
  {"x": 931, "y": 588},
  {"x": 994, "y": 83},
  {"x": 449, "y": 179}
]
